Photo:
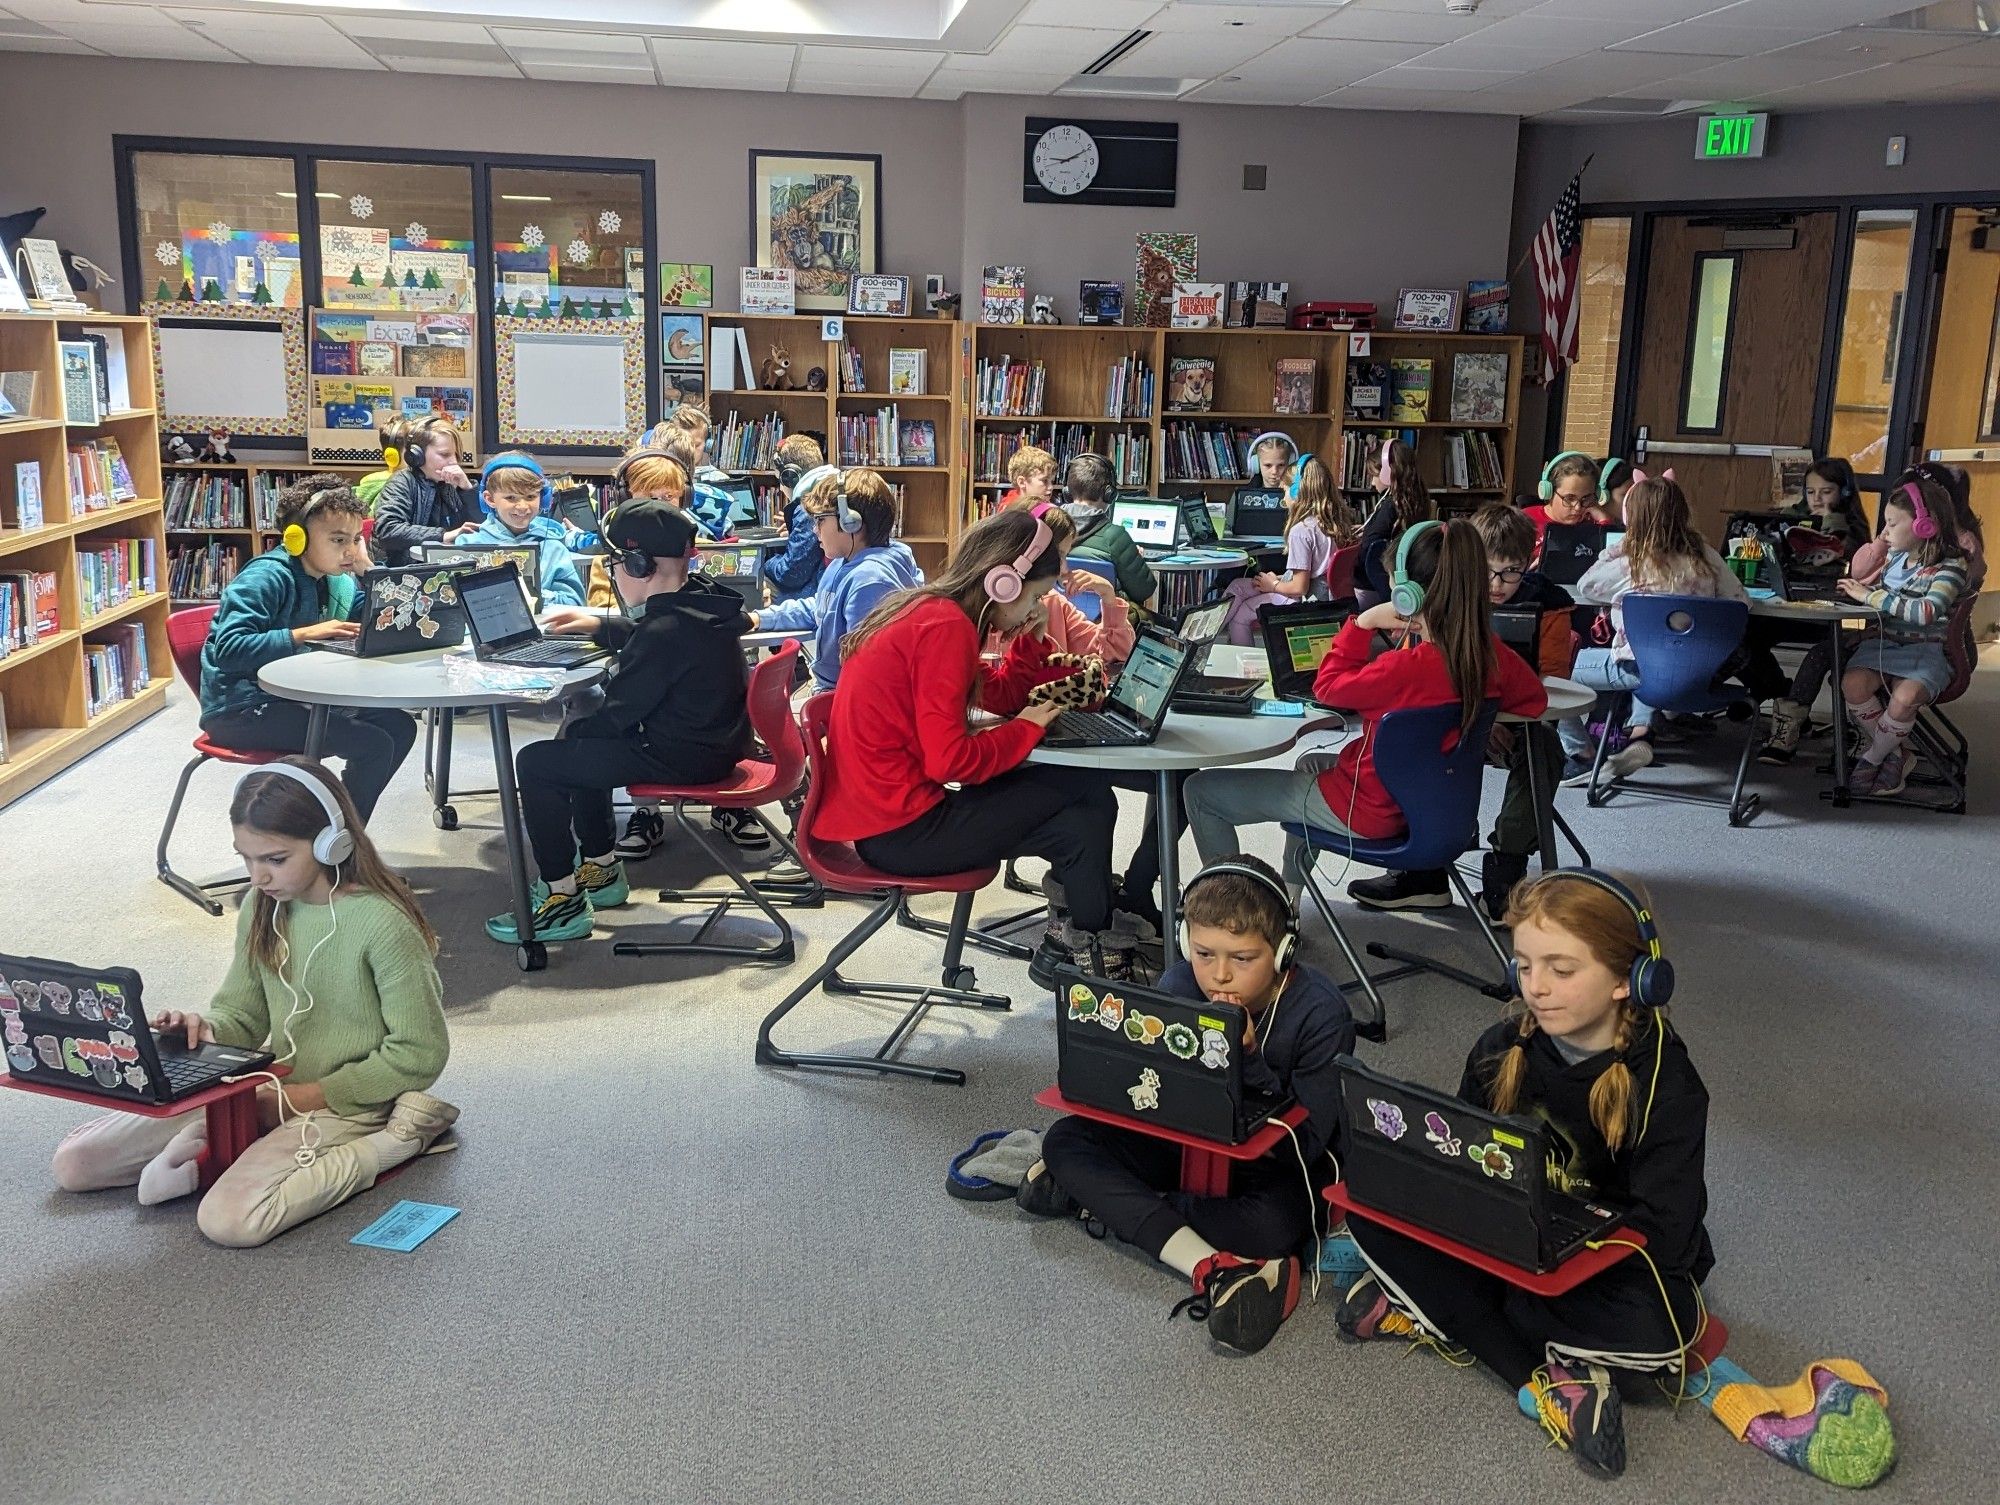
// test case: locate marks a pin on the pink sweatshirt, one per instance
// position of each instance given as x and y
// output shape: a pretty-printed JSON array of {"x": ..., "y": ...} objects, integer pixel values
[{"x": 1069, "y": 631}]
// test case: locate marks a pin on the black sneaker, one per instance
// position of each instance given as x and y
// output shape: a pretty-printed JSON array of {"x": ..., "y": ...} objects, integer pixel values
[
  {"x": 1498, "y": 873},
  {"x": 1244, "y": 1301},
  {"x": 1580, "y": 1409},
  {"x": 1576, "y": 772},
  {"x": 644, "y": 834},
  {"x": 1039, "y": 1194},
  {"x": 1430, "y": 890},
  {"x": 741, "y": 829}
]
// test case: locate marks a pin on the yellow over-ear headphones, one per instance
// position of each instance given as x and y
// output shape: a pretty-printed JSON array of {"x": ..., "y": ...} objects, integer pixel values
[{"x": 294, "y": 536}]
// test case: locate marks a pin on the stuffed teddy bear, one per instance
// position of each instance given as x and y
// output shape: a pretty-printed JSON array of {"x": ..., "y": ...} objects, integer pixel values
[{"x": 1082, "y": 688}]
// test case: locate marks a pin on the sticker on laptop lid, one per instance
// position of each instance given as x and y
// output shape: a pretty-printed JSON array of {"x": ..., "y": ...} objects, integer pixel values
[
  {"x": 50, "y": 1051},
  {"x": 1209, "y": 1021},
  {"x": 1146, "y": 1094},
  {"x": 1492, "y": 1159},
  {"x": 89, "y": 1006},
  {"x": 1181, "y": 1041},
  {"x": 1388, "y": 1119},
  {"x": 1503, "y": 1137},
  {"x": 1438, "y": 1132},
  {"x": 1111, "y": 1011},
  {"x": 21, "y": 1058},
  {"x": 56, "y": 996},
  {"x": 1082, "y": 1002},
  {"x": 1214, "y": 1049},
  {"x": 111, "y": 998}
]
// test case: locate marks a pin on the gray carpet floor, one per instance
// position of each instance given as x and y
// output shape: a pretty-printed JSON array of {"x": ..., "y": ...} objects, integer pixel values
[{"x": 679, "y": 1276}]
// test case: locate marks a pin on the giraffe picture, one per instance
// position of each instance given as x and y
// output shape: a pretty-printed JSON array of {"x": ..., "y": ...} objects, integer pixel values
[{"x": 819, "y": 215}]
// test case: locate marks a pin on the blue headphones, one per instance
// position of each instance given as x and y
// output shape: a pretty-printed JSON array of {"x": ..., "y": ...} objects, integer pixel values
[
  {"x": 848, "y": 518},
  {"x": 1652, "y": 977},
  {"x": 1405, "y": 594},
  {"x": 514, "y": 462},
  {"x": 1298, "y": 473},
  {"x": 1546, "y": 489}
]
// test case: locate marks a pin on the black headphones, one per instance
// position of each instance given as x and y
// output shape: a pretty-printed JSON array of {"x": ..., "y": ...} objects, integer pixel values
[
  {"x": 617, "y": 492},
  {"x": 1652, "y": 976},
  {"x": 420, "y": 440},
  {"x": 789, "y": 472},
  {"x": 639, "y": 566},
  {"x": 1288, "y": 943}
]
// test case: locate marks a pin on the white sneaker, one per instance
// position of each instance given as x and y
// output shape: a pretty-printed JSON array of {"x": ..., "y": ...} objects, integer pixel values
[{"x": 1630, "y": 758}]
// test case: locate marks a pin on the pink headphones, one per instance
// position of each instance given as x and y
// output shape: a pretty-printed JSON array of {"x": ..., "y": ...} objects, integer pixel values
[
  {"x": 1923, "y": 525},
  {"x": 1005, "y": 582}
]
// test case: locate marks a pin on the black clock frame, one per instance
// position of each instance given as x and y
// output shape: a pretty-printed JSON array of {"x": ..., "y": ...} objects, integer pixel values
[{"x": 1138, "y": 162}]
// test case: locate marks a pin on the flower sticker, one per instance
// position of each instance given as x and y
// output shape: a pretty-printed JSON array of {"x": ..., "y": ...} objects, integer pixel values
[
  {"x": 219, "y": 230},
  {"x": 1388, "y": 1119},
  {"x": 1181, "y": 1041},
  {"x": 167, "y": 254},
  {"x": 1492, "y": 1159},
  {"x": 417, "y": 233},
  {"x": 578, "y": 252},
  {"x": 610, "y": 222},
  {"x": 1438, "y": 1132},
  {"x": 361, "y": 206},
  {"x": 531, "y": 235}
]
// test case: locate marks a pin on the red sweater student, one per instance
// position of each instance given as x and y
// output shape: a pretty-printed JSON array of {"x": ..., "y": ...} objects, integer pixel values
[
  {"x": 900, "y": 732},
  {"x": 1452, "y": 655}
]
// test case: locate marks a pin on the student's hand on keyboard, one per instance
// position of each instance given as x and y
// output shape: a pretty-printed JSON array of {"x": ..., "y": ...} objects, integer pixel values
[
  {"x": 570, "y": 622},
  {"x": 195, "y": 1029},
  {"x": 326, "y": 632},
  {"x": 1041, "y": 715}
]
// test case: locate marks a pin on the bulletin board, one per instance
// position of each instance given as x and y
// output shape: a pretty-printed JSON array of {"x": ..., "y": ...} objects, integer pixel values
[
  {"x": 570, "y": 381},
  {"x": 239, "y": 369}
]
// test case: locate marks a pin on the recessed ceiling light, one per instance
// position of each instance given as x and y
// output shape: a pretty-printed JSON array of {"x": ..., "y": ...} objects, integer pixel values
[{"x": 527, "y": 198}]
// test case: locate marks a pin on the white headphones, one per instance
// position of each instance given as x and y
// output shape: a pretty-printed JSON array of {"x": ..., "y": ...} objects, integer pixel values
[
  {"x": 1288, "y": 944},
  {"x": 849, "y": 520},
  {"x": 333, "y": 845}
]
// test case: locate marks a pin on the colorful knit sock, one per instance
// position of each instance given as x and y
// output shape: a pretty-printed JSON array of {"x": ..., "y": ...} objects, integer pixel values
[
  {"x": 1889, "y": 735},
  {"x": 1831, "y": 1422}
]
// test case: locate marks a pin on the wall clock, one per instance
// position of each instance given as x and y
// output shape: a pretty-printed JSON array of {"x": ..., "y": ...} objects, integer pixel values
[{"x": 1085, "y": 161}]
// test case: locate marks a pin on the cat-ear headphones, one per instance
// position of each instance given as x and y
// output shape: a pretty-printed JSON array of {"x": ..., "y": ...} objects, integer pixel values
[
  {"x": 334, "y": 843},
  {"x": 514, "y": 462},
  {"x": 1005, "y": 582},
  {"x": 1288, "y": 943},
  {"x": 1922, "y": 525},
  {"x": 1652, "y": 976},
  {"x": 1405, "y": 594},
  {"x": 1546, "y": 488},
  {"x": 294, "y": 536},
  {"x": 849, "y": 519}
]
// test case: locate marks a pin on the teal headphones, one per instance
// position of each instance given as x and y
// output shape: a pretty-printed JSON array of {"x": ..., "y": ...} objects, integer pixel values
[
  {"x": 1405, "y": 594},
  {"x": 1546, "y": 489},
  {"x": 514, "y": 462},
  {"x": 1652, "y": 977},
  {"x": 1607, "y": 473}
]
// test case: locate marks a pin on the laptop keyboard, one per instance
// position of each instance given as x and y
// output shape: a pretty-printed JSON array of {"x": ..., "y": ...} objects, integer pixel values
[
  {"x": 1089, "y": 726},
  {"x": 184, "y": 1073},
  {"x": 544, "y": 652}
]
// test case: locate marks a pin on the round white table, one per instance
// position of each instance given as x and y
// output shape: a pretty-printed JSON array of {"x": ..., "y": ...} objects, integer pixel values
[
  {"x": 1186, "y": 742},
  {"x": 1832, "y": 616},
  {"x": 419, "y": 682}
]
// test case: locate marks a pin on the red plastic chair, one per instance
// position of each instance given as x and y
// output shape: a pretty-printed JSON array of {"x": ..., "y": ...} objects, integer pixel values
[
  {"x": 1340, "y": 568},
  {"x": 755, "y": 785},
  {"x": 840, "y": 868},
  {"x": 186, "y": 632},
  {"x": 1937, "y": 736}
]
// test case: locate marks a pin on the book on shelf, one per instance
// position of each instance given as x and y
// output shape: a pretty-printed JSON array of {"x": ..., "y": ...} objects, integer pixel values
[
  {"x": 81, "y": 403},
  {"x": 1161, "y": 258},
  {"x": 116, "y": 386},
  {"x": 1207, "y": 452},
  {"x": 1100, "y": 303},
  {"x": 376, "y": 358},
  {"x": 1197, "y": 305},
  {"x": 200, "y": 572},
  {"x": 1126, "y": 450},
  {"x": 917, "y": 439},
  {"x": 434, "y": 360},
  {"x": 99, "y": 476},
  {"x": 29, "y": 609},
  {"x": 335, "y": 358},
  {"x": 1128, "y": 388},
  {"x": 28, "y": 495},
  {"x": 872, "y": 438},
  {"x": 749, "y": 444},
  {"x": 1292, "y": 380},
  {"x": 1486, "y": 307},
  {"x": 1256, "y": 305},
  {"x": 1010, "y": 387},
  {"x": 853, "y": 371},
  {"x": 907, "y": 377},
  {"x": 768, "y": 290},
  {"x": 1361, "y": 454},
  {"x": 111, "y": 571},
  {"x": 100, "y": 345},
  {"x": 115, "y": 665},
  {"x": 1003, "y": 295},
  {"x": 1410, "y": 390},
  {"x": 1471, "y": 461},
  {"x": 1190, "y": 384},
  {"x": 207, "y": 499},
  {"x": 1367, "y": 390},
  {"x": 1479, "y": 386}
]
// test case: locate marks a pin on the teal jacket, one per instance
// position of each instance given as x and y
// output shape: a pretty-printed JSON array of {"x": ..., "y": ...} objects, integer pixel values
[
  {"x": 253, "y": 625},
  {"x": 561, "y": 585}
]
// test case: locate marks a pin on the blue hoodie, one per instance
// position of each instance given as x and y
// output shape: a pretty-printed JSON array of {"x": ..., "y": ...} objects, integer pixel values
[
  {"x": 561, "y": 585},
  {"x": 848, "y": 591}
]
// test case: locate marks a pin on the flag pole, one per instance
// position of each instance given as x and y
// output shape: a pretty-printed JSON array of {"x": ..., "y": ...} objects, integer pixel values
[{"x": 1531, "y": 240}]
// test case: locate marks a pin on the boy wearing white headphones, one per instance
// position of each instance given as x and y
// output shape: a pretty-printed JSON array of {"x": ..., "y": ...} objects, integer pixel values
[
  {"x": 1239, "y": 1250},
  {"x": 674, "y": 712},
  {"x": 854, "y": 520},
  {"x": 296, "y": 594},
  {"x": 515, "y": 493}
]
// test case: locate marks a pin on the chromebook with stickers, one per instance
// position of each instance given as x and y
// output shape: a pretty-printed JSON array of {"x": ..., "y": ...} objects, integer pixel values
[
  {"x": 1165, "y": 1061},
  {"x": 1477, "y": 1177},
  {"x": 409, "y": 610},
  {"x": 84, "y": 1029}
]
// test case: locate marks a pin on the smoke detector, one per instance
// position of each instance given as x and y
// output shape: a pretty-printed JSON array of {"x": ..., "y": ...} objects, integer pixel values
[{"x": 1460, "y": 7}]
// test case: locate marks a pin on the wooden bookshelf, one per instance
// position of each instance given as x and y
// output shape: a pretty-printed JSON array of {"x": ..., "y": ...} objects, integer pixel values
[
  {"x": 44, "y": 689},
  {"x": 244, "y": 536}
]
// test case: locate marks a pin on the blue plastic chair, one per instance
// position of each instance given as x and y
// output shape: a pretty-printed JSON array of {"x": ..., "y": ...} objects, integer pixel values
[
  {"x": 1371, "y": 574},
  {"x": 1438, "y": 793},
  {"x": 1083, "y": 601},
  {"x": 1679, "y": 645}
]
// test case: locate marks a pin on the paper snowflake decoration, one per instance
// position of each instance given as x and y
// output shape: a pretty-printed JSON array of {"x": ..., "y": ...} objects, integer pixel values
[
  {"x": 531, "y": 235},
  {"x": 610, "y": 221},
  {"x": 361, "y": 206},
  {"x": 416, "y": 233},
  {"x": 578, "y": 252},
  {"x": 340, "y": 240},
  {"x": 166, "y": 253},
  {"x": 217, "y": 230}
]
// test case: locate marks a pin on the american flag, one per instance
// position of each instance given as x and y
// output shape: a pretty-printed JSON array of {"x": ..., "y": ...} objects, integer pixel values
[{"x": 1558, "y": 247}]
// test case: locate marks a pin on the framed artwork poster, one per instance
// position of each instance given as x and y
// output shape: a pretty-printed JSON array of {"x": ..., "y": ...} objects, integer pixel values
[{"x": 820, "y": 215}]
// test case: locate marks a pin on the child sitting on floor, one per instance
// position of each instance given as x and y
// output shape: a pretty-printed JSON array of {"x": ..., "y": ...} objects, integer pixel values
[
  {"x": 515, "y": 493},
  {"x": 1240, "y": 1249}
]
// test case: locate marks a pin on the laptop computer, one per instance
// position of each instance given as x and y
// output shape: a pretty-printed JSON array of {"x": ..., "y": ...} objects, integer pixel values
[
  {"x": 504, "y": 630},
  {"x": 1477, "y": 1177},
  {"x": 408, "y": 611},
  {"x": 1296, "y": 638},
  {"x": 526, "y": 558},
  {"x": 736, "y": 565},
  {"x": 1257, "y": 516},
  {"x": 746, "y": 518},
  {"x": 1198, "y": 522},
  {"x": 1793, "y": 584},
  {"x": 1211, "y": 694},
  {"x": 572, "y": 504},
  {"x": 1163, "y": 1061},
  {"x": 1520, "y": 628},
  {"x": 1140, "y": 696},
  {"x": 1568, "y": 549},
  {"x": 1153, "y": 524},
  {"x": 84, "y": 1029}
]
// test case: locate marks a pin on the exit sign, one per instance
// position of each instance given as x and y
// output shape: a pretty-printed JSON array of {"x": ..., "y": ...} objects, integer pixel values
[{"x": 1729, "y": 137}]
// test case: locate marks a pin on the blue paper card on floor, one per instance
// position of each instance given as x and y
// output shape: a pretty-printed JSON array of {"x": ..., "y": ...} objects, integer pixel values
[{"x": 405, "y": 1226}]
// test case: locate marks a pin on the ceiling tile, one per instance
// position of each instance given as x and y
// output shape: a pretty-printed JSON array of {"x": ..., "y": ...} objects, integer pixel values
[
  {"x": 1613, "y": 72},
  {"x": 1354, "y": 97},
  {"x": 1825, "y": 13},
  {"x": 1124, "y": 15},
  {"x": 1443, "y": 80},
  {"x": 1431, "y": 25},
  {"x": 369, "y": 30},
  {"x": 1336, "y": 62},
  {"x": 1979, "y": 53},
  {"x": 1714, "y": 40},
  {"x": 1477, "y": 52},
  {"x": 1724, "y": 80},
  {"x": 147, "y": 41},
  {"x": 1274, "y": 20},
  {"x": 1874, "y": 47},
  {"x": 724, "y": 65},
  {"x": 881, "y": 64},
  {"x": 1496, "y": 9},
  {"x": 1537, "y": 30},
  {"x": 1643, "y": 14},
  {"x": 1040, "y": 49},
  {"x": 1913, "y": 81},
  {"x": 462, "y": 67},
  {"x": 881, "y": 85},
  {"x": 1188, "y": 54},
  {"x": 1245, "y": 92},
  {"x": 44, "y": 44},
  {"x": 950, "y": 83},
  {"x": 579, "y": 73},
  {"x": 611, "y": 44}
]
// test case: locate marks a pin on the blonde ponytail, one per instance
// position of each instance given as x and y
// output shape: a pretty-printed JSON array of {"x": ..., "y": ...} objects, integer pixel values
[{"x": 1611, "y": 1093}]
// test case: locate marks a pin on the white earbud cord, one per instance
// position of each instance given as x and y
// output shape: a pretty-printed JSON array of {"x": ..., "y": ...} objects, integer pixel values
[{"x": 309, "y": 1134}]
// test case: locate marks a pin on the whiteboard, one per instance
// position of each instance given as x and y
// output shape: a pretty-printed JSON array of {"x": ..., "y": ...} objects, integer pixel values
[
  {"x": 223, "y": 371},
  {"x": 569, "y": 381}
]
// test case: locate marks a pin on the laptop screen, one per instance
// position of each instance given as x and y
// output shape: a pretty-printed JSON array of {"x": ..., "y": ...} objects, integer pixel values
[
  {"x": 1146, "y": 683},
  {"x": 494, "y": 605},
  {"x": 1520, "y": 628},
  {"x": 1306, "y": 644},
  {"x": 1258, "y": 513},
  {"x": 1204, "y": 623},
  {"x": 1153, "y": 524},
  {"x": 1199, "y": 521},
  {"x": 742, "y": 504}
]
